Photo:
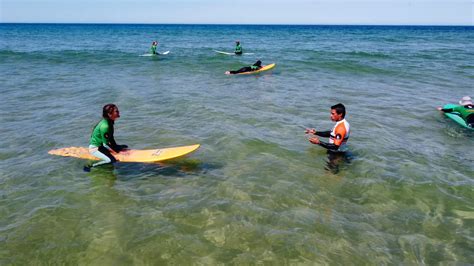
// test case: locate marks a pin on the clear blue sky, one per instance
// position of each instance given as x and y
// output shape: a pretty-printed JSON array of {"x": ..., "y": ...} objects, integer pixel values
[{"x": 386, "y": 12}]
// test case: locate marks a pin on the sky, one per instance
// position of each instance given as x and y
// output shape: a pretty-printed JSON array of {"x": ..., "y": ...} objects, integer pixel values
[{"x": 339, "y": 12}]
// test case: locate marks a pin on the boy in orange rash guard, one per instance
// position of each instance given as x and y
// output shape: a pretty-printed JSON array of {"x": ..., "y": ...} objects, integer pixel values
[{"x": 338, "y": 136}]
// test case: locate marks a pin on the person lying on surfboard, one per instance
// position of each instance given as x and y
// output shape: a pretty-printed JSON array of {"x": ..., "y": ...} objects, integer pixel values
[
  {"x": 256, "y": 66},
  {"x": 102, "y": 143},
  {"x": 153, "y": 47},
  {"x": 238, "y": 48},
  {"x": 465, "y": 110},
  {"x": 339, "y": 134}
]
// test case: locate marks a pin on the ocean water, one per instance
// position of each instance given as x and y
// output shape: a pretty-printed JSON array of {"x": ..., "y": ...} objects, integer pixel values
[{"x": 256, "y": 192}]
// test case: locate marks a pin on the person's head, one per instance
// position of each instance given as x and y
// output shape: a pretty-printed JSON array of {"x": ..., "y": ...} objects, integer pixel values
[
  {"x": 338, "y": 112},
  {"x": 237, "y": 42},
  {"x": 110, "y": 112},
  {"x": 155, "y": 43},
  {"x": 258, "y": 63},
  {"x": 466, "y": 100}
]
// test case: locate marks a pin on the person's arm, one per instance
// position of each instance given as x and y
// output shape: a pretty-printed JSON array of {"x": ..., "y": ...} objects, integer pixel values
[
  {"x": 109, "y": 140},
  {"x": 325, "y": 134},
  {"x": 451, "y": 110},
  {"x": 329, "y": 146},
  {"x": 340, "y": 134},
  {"x": 315, "y": 140},
  {"x": 313, "y": 131},
  {"x": 446, "y": 110},
  {"x": 104, "y": 132},
  {"x": 113, "y": 144}
]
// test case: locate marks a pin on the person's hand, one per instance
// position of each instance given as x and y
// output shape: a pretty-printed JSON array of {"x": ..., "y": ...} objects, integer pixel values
[
  {"x": 311, "y": 131},
  {"x": 438, "y": 108},
  {"x": 125, "y": 152},
  {"x": 122, "y": 148},
  {"x": 314, "y": 140}
]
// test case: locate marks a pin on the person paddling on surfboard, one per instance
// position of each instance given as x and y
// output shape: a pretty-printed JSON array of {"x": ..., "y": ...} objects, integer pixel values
[
  {"x": 102, "y": 143},
  {"x": 153, "y": 47},
  {"x": 338, "y": 136},
  {"x": 238, "y": 48},
  {"x": 465, "y": 110},
  {"x": 256, "y": 66}
]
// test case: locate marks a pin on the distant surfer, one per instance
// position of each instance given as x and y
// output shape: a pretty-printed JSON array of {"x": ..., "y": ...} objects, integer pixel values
[
  {"x": 465, "y": 110},
  {"x": 102, "y": 143},
  {"x": 153, "y": 47},
  {"x": 238, "y": 48},
  {"x": 256, "y": 66},
  {"x": 338, "y": 136}
]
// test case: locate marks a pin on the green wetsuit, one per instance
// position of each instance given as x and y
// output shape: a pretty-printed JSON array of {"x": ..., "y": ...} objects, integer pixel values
[
  {"x": 465, "y": 111},
  {"x": 238, "y": 49},
  {"x": 101, "y": 134},
  {"x": 101, "y": 138},
  {"x": 153, "y": 49}
]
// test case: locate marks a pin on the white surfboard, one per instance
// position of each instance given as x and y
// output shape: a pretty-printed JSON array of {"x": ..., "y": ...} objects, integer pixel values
[
  {"x": 222, "y": 52},
  {"x": 164, "y": 53},
  {"x": 227, "y": 53}
]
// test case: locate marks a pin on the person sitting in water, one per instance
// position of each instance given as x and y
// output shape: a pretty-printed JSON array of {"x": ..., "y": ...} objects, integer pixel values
[
  {"x": 153, "y": 47},
  {"x": 238, "y": 48},
  {"x": 465, "y": 110},
  {"x": 102, "y": 143},
  {"x": 256, "y": 66},
  {"x": 338, "y": 136}
]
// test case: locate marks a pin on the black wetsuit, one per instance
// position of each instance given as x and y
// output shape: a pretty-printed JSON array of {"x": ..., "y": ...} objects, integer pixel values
[{"x": 253, "y": 67}]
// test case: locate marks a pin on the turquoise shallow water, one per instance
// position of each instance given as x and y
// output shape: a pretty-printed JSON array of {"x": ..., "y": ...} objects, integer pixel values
[{"x": 256, "y": 191}]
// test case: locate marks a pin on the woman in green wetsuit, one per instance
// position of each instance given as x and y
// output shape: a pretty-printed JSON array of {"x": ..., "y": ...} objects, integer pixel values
[
  {"x": 154, "y": 44},
  {"x": 102, "y": 143},
  {"x": 238, "y": 48},
  {"x": 465, "y": 110}
]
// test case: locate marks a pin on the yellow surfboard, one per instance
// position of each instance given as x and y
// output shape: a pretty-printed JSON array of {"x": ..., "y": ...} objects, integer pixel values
[
  {"x": 264, "y": 68},
  {"x": 138, "y": 156}
]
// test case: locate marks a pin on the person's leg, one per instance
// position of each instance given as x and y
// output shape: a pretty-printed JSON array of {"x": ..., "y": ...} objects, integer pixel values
[
  {"x": 103, "y": 154},
  {"x": 335, "y": 159},
  {"x": 244, "y": 69}
]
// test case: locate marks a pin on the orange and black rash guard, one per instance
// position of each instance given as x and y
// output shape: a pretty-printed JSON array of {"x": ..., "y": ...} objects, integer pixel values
[{"x": 338, "y": 136}]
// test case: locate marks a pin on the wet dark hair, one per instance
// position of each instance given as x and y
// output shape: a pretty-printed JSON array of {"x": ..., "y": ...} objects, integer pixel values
[
  {"x": 258, "y": 63},
  {"x": 108, "y": 109},
  {"x": 340, "y": 109}
]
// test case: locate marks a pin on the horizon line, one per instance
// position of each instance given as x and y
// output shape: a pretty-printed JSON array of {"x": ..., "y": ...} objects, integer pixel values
[{"x": 244, "y": 24}]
